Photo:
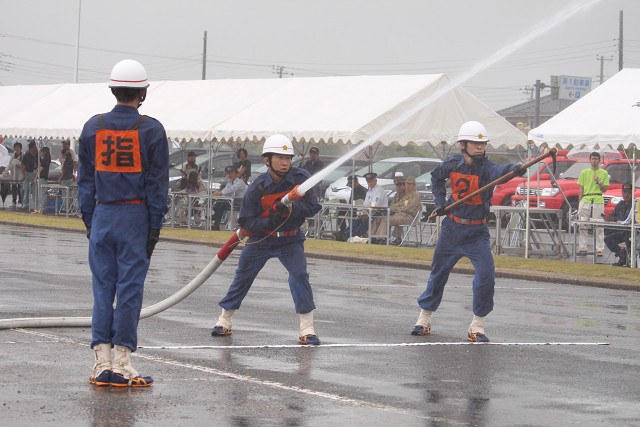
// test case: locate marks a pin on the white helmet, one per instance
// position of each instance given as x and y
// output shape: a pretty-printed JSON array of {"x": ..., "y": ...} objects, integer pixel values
[
  {"x": 278, "y": 144},
  {"x": 129, "y": 73},
  {"x": 473, "y": 131}
]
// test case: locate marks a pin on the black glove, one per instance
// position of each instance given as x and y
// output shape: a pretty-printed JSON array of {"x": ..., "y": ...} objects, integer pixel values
[
  {"x": 88, "y": 233},
  {"x": 439, "y": 211},
  {"x": 520, "y": 171},
  {"x": 154, "y": 236},
  {"x": 276, "y": 213}
]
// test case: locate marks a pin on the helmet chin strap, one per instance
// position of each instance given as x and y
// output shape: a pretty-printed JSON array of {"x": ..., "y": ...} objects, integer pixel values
[
  {"x": 477, "y": 158},
  {"x": 143, "y": 96},
  {"x": 278, "y": 173}
]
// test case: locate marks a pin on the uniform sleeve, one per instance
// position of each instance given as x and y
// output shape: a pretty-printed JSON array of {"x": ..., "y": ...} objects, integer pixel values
[
  {"x": 86, "y": 175},
  {"x": 438, "y": 183},
  {"x": 157, "y": 177},
  {"x": 249, "y": 217}
]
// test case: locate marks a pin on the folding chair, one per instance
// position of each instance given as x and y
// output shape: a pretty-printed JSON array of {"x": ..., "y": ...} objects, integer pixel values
[{"x": 415, "y": 225}]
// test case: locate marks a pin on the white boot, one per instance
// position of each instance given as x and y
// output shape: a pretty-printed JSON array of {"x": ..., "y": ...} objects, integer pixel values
[
  {"x": 477, "y": 325},
  {"x": 306, "y": 324},
  {"x": 122, "y": 362},
  {"x": 423, "y": 324},
  {"x": 476, "y": 330},
  {"x": 225, "y": 318},
  {"x": 307, "y": 332},
  {"x": 102, "y": 364}
]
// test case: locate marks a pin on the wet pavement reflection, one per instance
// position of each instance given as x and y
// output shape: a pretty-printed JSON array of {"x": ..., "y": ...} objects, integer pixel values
[{"x": 448, "y": 383}]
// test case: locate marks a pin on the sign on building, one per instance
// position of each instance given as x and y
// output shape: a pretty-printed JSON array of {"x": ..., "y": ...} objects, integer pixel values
[{"x": 573, "y": 88}]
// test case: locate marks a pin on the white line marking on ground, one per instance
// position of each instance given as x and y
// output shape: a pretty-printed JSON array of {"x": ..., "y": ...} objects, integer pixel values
[{"x": 413, "y": 344}]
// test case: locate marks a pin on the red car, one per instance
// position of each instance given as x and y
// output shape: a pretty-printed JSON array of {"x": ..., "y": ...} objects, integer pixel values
[
  {"x": 551, "y": 193},
  {"x": 503, "y": 192}
]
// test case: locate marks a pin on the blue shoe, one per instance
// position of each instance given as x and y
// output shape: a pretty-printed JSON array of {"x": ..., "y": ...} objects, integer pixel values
[
  {"x": 309, "y": 340},
  {"x": 477, "y": 337},
  {"x": 219, "y": 331},
  {"x": 118, "y": 380},
  {"x": 103, "y": 379},
  {"x": 421, "y": 330}
]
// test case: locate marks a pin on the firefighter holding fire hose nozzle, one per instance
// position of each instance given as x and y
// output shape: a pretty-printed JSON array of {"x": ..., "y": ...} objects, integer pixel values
[
  {"x": 274, "y": 231},
  {"x": 464, "y": 228}
]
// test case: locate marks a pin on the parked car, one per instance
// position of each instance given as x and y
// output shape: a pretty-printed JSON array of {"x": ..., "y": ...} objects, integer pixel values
[
  {"x": 503, "y": 192},
  {"x": 212, "y": 173},
  {"x": 179, "y": 157},
  {"x": 386, "y": 170},
  {"x": 552, "y": 198}
]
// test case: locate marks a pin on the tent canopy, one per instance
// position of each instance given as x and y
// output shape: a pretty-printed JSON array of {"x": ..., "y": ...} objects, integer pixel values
[
  {"x": 307, "y": 109},
  {"x": 609, "y": 115}
]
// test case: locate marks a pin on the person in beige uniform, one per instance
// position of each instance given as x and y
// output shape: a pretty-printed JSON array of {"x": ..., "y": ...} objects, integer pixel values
[{"x": 405, "y": 205}]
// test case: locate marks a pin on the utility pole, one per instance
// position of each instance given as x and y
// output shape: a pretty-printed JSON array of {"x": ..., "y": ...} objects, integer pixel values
[
  {"x": 602, "y": 59},
  {"x": 279, "y": 70},
  {"x": 620, "y": 40},
  {"x": 536, "y": 119},
  {"x": 204, "y": 58},
  {"x": 77, "y": 58}
]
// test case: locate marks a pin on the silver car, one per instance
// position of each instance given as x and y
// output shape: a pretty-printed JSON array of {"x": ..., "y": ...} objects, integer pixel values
[{"x": 386, "y": 169}]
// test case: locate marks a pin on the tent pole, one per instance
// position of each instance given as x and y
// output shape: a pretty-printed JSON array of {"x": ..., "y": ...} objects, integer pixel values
[
  {"x": 633, "y": 210},
  {"x": 526, "y": 217}
]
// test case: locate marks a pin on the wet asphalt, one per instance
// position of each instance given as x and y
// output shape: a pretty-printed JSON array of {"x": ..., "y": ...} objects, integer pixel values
[{"x": 375, "y": 377}]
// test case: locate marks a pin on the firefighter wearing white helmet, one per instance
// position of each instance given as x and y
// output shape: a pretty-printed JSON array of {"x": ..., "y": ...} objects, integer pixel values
[
  {"x": 274, "y": 232},
  {"x": 129, "y": 76},
  {"x": 123, "y": 180},
  {"x": 476, "y": 134},
  {"x": 464, "y": 229}
]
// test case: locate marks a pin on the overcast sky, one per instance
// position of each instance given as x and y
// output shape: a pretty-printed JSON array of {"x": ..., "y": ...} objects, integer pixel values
[{"x": 247, "y": 38}]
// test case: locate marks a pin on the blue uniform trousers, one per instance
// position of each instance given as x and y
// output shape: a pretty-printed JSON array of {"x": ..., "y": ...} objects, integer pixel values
[
  {"x": 457, "y": 241},
  {"x": 254, "y": 257},
  {"x": 119, "y": 264}
]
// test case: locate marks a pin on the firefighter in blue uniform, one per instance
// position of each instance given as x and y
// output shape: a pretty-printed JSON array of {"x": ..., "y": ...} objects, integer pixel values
[
  {"x": 123, "y": 181},
  {"x": 274, "y": 231},
  {"x": 464, "y": 229}
]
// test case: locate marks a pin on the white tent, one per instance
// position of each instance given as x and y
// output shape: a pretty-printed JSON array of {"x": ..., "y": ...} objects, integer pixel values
[
  {"x": 316, "y": 109},
  {"x": 609, "y": 115}
]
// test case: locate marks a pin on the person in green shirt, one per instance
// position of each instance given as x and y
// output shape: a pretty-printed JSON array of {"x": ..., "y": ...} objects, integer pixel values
[{"x": 593, "y": 182}]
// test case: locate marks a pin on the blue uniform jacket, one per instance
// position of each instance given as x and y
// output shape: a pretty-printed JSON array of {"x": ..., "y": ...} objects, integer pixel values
[
  {"x": 249, "y": 218},
  {"x": 151, "y": 184},
  {"x": 465, "y": 179}
]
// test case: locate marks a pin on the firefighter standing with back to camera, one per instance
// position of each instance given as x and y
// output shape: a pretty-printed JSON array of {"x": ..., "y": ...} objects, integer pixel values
[
  {"x": 465, "y": 232},
  {"x": 123, "y": 182},
  {"x": 274, "y": 235}
]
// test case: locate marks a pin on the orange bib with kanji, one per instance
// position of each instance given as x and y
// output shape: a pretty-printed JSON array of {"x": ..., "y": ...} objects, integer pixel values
[
  {"x": 118, "y": 150},
  {"x": 462, "y": 184}
]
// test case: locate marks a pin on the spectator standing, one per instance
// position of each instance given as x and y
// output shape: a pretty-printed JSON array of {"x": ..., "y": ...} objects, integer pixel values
[
  {"x": 276, "y": 236},
  {"x": 189, "y": 167},
  {"x": 45, "y": 163},
  {"x": 464, "y": 229},
  {"x": 235, "y": 188},
  {"x": 74, "y": 157},
  {"x": 122, "y": 193},
  {"x": 613, "y": 236},
  {"x": 593, "y": 181},
  {"x": 243, "y": 165},
  {"x": 314, "y": 164},
  {"x": 17, "y": 175},
  {"x": 30, "y": 173},
  {"x": 405, "y": 206},
  {"x": 66, "y": 175}
]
